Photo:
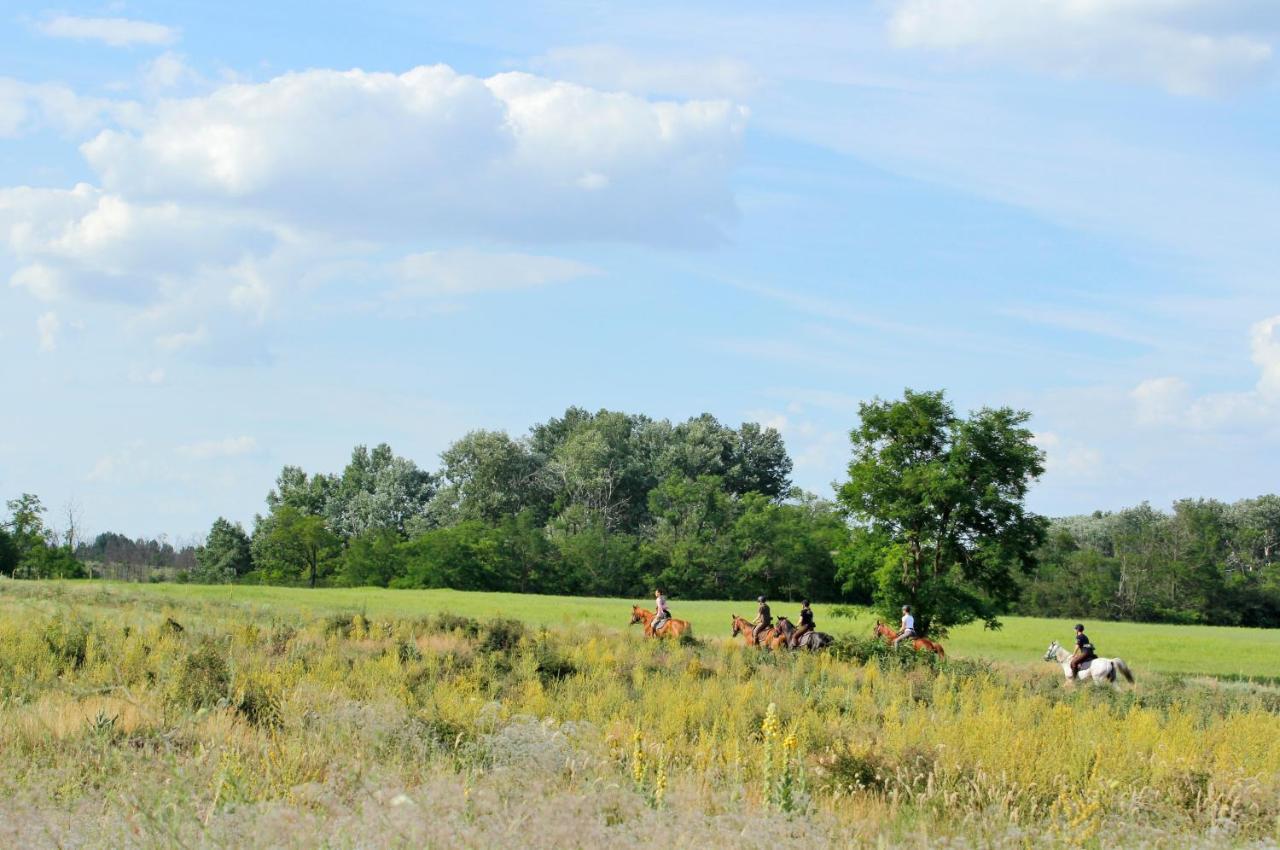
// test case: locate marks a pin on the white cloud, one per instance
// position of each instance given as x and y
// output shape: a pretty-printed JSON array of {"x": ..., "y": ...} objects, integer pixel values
[
  {"x": 117, "y": 32},
  {"x": 1067, "y": 457},
  {"x": 612, "y": 68},
  {"x": 47, "y": 326},
  {"x": 167, "y": 71},
  {"x": 462, "y": 272},
  {"x": 1172, "y": 43},
  {"x": 512, "y": 157},
  {"x": 1160, "y": 400},
  {"x": 29, "y": 107},
  {"x": 209, "y": 449},
  {"x": 1169, "y": 400},
  {"x": 88, "y": 242}
]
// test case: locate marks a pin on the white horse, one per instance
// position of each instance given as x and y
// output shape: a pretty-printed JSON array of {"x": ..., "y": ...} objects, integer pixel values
[{"x": 1099, "y": 669}]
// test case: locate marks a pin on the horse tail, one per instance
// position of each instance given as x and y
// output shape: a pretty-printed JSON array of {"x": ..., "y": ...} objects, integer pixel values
[{"x": 1118, "y": 664}]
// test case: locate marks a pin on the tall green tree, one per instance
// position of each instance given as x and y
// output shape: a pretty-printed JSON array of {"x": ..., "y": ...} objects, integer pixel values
[
  {"x": 226, "y": 553},
  {"x": 8, "y": 553},
  {"x": 27, "y": 533},
  {"x": 944, "y": 499},
  {"x": 378, "y": 489},
  {"x": 289, "y": 545}
]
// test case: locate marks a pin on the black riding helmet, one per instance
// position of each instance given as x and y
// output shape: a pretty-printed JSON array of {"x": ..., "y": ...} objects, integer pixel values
[
  {"x": 1079, "y": 627},
  {"x": 804, "y": 602},
  {"x": 759, "y": 598}
]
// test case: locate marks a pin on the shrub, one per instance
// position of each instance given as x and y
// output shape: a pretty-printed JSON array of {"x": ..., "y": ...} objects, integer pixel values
[
  {"x": 68, "y": 640},
  {"x": 202, "y": 678}
]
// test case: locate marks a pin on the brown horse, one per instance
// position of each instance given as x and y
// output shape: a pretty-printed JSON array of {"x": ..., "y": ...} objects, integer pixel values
[
  {"x": 770, "y": 637},
  {"x": 671, "y": 628},
  {"x": 884, "y": 630}
]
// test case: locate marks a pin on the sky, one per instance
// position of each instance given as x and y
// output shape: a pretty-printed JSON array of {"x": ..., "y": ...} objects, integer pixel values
[{"x": 235, "y": 236}]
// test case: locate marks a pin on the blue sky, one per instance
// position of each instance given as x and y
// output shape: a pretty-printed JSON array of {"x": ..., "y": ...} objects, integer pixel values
[{"x": 235, "y": 236}]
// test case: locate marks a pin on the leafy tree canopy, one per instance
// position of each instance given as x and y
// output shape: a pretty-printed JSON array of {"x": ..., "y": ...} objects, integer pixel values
[{"x": 940, "y": 500}]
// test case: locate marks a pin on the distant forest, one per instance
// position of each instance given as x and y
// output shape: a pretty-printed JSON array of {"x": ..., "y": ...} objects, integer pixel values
[{"x": 610, "y": 503}]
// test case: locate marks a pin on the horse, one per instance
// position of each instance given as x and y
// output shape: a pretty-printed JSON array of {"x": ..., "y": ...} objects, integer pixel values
[
  {"x": 809, "y": 640},
  {"x": 770, "y": 637},
  {"x": 671, "y": 628},
  {"x": 884, "y": 630},
  {"x": 1098, "y": 669}
]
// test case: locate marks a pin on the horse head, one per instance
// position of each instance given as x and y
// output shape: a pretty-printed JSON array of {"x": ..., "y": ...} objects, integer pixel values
[
  {"x": 737, "y": 625},
  {"x": 1051, "y": 654},
  {"x": 637, "y": 615}
]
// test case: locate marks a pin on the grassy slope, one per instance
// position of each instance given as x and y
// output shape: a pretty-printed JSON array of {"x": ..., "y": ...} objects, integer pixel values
[{"x": 1171, "y": 649}]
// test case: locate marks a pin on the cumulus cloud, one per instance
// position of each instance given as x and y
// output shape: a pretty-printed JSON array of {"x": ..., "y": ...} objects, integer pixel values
[
  {"x": 1183, "y": 46},
  {"x": 1170, "y": 401},
  {"x": 1067, "y": 457},
  {"x": 512, "y": 157},
  {"x": 27, "y": 108},
  {"x": 463, "y": 272},
  {"x": 88, "y": 242},
  {"x": 209, "y": 449},
  {"x": 117, "y": 32},
  {"x": 47, "y": 327},
  {"x": 213, "y": 208}
]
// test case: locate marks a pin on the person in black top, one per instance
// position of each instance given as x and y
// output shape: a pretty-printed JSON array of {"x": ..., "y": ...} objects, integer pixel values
[
  {"x": 806, "y": 623},
  {"x": 764, "y": 619},
  {"x": 1084, "y": 651}
]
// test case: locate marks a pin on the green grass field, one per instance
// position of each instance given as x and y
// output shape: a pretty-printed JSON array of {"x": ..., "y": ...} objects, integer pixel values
[{"x": 1190, "y": 650}]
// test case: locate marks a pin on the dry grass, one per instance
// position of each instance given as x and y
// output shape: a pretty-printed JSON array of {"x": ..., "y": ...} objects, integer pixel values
[{"x": 245, "y": 729}]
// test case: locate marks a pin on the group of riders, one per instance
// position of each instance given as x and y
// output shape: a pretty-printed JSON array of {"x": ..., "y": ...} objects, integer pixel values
[
  {"x": 764, "y": 621},
  {"x": 792, "y": 635}
]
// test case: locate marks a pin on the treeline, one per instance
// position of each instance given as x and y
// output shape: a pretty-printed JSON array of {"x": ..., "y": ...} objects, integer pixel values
[
  {"x": 604, "y": 503},
  {"x": 1205, "y": 562},
  {"x": 611, "y": 503}
]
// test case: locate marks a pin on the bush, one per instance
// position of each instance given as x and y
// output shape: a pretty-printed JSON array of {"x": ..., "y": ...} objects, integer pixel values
[
  {"x": 202, "y": 679},
  {"x": 502, "y": 635},
  {"x": 67, "y": 639}
]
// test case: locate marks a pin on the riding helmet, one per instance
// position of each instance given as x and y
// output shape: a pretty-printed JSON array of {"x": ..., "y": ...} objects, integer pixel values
[
  {"x": 1079, "y": 627},
  {"x": 759, "y": 598}
]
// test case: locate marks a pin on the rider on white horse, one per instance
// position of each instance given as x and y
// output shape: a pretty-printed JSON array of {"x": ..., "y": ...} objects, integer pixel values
[{"x": 1084, "y": 651}]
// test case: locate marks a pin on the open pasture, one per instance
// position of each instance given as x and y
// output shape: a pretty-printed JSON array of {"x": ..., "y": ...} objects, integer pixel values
[
  {"x": 181, "y": 717},
  {"x": 1193, "y": 650}
]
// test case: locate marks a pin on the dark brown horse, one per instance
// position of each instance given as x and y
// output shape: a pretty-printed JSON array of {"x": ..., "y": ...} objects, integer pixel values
[
  {"x": 884, "y": 630},
  {"x": 809, "y": 640},
  {"x": 671, "y": 628},
  {"x": 770, "y": 637}
]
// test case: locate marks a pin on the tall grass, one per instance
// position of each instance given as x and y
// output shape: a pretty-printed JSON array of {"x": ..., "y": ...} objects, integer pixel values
[{"x": 253, "y": 728}]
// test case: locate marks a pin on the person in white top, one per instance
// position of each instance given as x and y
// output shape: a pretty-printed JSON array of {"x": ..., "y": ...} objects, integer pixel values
[{"x": 908, "y": 626}]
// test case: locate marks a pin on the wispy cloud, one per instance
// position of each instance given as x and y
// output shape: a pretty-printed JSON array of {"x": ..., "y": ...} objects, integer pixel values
[
  {"x": 1172, "y": 44},
  {"x": 463, "y": 272},
  {"x": 209, "y": 449},
  {"x": 117, "y": 32}
]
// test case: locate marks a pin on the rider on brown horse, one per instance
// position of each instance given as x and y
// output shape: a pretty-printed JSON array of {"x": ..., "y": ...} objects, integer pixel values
[
  {"x": 908, "y": 626},
  {"x": 806, "y": 623},
  {"x": 764, "y": 620},
  {"x": 662, "y": 614}
]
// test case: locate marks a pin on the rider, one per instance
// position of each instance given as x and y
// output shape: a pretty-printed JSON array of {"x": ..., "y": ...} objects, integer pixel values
[
  {"x": 764, "y": 619},
  {"x": 806, "y": 623},
  {"x": 908, "y": 626},
  {"x": 663, "y": 613},
  {"x": 1084, "y": 651}
]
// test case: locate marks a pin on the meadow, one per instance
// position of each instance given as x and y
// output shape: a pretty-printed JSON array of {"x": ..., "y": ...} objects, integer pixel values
[
  {"x": 1205, "y": 650},
  {"x": 168, "y": 716}
]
